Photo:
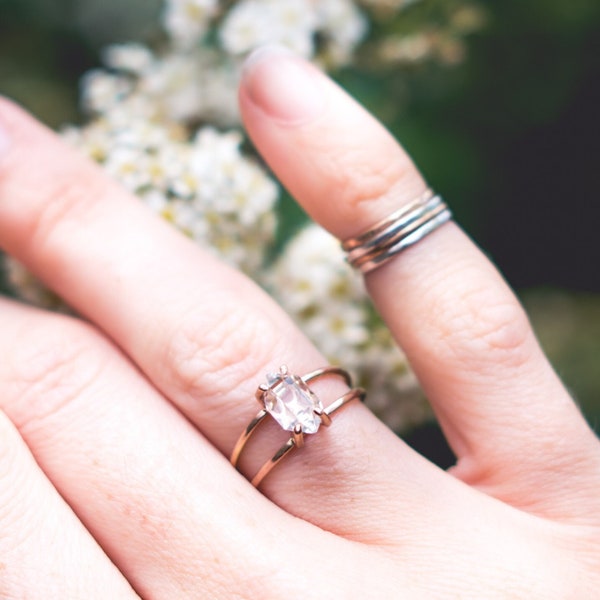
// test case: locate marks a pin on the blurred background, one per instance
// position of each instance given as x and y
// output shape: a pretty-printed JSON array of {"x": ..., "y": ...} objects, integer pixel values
[{"x": 508, "y": 132}]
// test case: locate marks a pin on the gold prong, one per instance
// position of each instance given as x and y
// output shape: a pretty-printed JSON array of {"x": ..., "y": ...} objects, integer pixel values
[
  {"x": 325, "y": 418},
  {"x": 298, "y": 436},
  {"x": 296, "y": 439},
  {"x": 260, "y": 392}
]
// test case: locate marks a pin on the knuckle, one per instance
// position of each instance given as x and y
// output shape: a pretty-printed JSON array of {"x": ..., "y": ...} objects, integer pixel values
[
  {"x": 53, "y": 364},
  {"x": 487, "y": 331},
  {"x": 504, "y": 331},
  {"x": 218, "y": 351},
  {"x": 65, "y": 199},
  {"x": 362, "y": 176},
  {"x": 361, "y": 180}
]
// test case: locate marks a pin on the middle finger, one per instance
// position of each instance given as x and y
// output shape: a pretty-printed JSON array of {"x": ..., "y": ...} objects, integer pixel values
[{"x": 179, "y": 314}]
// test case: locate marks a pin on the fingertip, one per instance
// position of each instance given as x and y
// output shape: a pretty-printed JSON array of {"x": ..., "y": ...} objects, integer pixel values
[
  {"x": 335, "y": 158},
  {"x": 262, "y": 53},
  {"x": 284, "y": 87}
]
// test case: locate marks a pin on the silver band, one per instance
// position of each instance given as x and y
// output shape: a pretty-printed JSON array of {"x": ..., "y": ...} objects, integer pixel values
[{"x": 393, "y": 234}]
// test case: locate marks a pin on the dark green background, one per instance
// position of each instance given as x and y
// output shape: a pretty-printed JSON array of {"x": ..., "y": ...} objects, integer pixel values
[{"x": 510, "y": 137}]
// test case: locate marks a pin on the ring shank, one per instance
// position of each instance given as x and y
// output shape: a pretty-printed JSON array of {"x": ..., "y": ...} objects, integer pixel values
[
  {"x": 398, "y": 231},
  {"x": 356, "y": 393}
]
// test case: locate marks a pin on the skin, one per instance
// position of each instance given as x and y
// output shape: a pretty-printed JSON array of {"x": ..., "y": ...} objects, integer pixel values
[{"x": 115, "y": 428}]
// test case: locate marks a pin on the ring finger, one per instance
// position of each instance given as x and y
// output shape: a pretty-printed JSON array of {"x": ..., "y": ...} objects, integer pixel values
[
  {"x": 201, "y": 332},
  {"x": 160, "y": 500}
]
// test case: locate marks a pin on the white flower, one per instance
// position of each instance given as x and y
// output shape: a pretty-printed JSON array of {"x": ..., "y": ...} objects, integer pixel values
[
  {"x": 334, "y": 332},
  {"x": 326, "y": 298},
  {"x": 344, "y": 26},
  {"x": 219, "y": 81},
  {"x": 224, "y": 148},
  {"x": 174, "y": 84},
  {"x": 312, "y": 271},
  {"x": 187, "y": 86},
  {"x": 100, "y": 90},
  {"x": 295, "y": 25},
  {"x": 186, "y": 21},
  {"x": 129, "y": 166},
  {"x": 131, "y": 58},
  {"x": 156, "y": 201},
  {"x": 254, "y": 194},
  {"x": 245, "y": 27},
  {"x": 253, "y": 23}
]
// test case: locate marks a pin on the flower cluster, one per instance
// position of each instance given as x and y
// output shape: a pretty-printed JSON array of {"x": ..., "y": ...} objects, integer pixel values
[
  {"x": 203, "y": 185},
  {"x": 327, "y": 299},
  {"x": 188, "y": 20},
  {"x": 442, "y": 41},
  {"x": 248, "y": 24},
  {"x": 164, "y": 123}
]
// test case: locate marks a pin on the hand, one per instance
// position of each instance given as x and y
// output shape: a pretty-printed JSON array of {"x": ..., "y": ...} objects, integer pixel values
[{"x": 114, "y": 478}]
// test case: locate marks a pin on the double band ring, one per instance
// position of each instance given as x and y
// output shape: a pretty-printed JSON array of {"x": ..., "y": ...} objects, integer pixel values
[
  {"x": 291, "y": 403},
  {"x": 393, "y": 234}
]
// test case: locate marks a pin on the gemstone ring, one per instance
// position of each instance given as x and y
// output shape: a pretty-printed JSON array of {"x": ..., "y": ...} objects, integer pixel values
[{"x": 296, "y": 408}]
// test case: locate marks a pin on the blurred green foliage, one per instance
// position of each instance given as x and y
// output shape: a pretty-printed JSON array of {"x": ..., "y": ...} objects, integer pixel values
[
  {"x": 509, "y": 134},
  {"x": 45, "y": 46},
  {"x": 568, "y": 326}
]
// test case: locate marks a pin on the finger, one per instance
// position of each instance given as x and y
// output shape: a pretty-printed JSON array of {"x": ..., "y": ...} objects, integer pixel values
[
  {"x": 202, "y": 333},
  {"x": 42, "y": 536},
  {"x": 463, "y": 330},
  {"x": 46, "y": 553},
  {"x": 166, "y": 506}
]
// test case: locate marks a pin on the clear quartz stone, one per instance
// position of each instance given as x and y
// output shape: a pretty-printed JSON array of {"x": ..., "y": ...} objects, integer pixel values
[{"x": 291, "y": 402}]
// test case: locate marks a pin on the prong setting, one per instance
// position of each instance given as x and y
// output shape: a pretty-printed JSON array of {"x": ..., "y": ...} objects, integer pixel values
[
  {"x": 298, "y": 436},
  {"x": 325, "y": 418},
  {"x": 288, "y": 399},
  {"x": 262, "y": 389}
]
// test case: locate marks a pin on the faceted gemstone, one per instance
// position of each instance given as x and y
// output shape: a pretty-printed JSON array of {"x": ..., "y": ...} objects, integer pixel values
[{"x": 290, "y": 402}]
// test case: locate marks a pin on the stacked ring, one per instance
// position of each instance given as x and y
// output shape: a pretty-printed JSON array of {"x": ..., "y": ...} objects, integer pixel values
[{"x": 396, "y": 232}]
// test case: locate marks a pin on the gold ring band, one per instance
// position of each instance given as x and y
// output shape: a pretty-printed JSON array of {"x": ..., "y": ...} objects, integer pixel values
[{"x": 290, "y": 402}]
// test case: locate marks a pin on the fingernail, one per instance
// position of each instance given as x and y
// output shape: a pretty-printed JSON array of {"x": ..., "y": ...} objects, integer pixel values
[{"x": 283, "y": 85}]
